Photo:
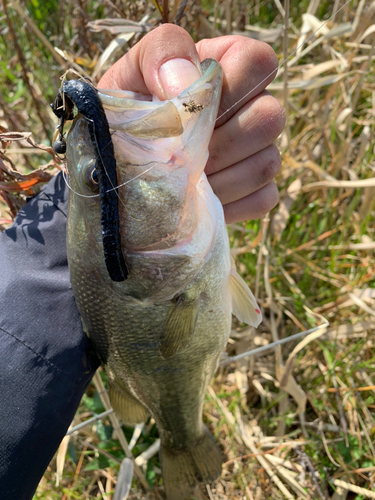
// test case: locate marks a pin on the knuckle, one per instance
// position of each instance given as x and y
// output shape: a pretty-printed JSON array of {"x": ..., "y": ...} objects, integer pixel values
[
  {"x": 260, "y": 54},
  {"x": 273, "y": 196},
  {"x": 272, "y": 163},
  {"x": 269, "y": 59},
  {"x": 280, "y": 113},
  {"x": 267, "y": 200},
  {"x": 269, "y": 114},
  {"x": 276, "y": 117}
]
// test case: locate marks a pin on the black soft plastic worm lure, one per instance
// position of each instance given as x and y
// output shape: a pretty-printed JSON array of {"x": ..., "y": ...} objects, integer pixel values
[{"x": 86, "y": 99}]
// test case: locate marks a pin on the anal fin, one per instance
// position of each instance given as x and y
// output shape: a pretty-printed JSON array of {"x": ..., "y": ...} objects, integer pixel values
[
  {"x": 179, "y": 326},
  {"x": 128, "y": 409}
]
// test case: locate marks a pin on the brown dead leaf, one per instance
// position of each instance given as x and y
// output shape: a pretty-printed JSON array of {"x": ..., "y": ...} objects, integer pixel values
[
  {"x": 47, "y": 149},
  {"x": 318, "y": 69},
  {"x": 117, "y": 26},
  {"x": 281, "y": 217},
  {"x": 60, "y": 458},
  {"x": 14, "y": 136},
  {"x": 27, "y": 136},
  {"x": 4, "y": 144},
  {"x": 284, "y": 373},
  {"x": 289, "y": 385},
  {"x": 11, "y": 171}
]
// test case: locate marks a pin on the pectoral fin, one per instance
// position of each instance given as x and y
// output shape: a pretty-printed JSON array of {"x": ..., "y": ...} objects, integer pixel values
[
  {"x": 179, "y": 326},
  {"x": 244, "y": 305}
]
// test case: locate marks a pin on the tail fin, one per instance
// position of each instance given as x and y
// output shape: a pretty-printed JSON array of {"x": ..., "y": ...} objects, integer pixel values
[{"x": 183, "y": 470}]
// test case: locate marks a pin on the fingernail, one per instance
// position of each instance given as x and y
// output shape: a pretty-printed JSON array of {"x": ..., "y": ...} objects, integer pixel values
[{"x": 176, "y": 75}]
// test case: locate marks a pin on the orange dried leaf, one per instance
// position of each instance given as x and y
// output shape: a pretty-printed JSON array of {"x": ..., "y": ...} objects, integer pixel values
[
  {"x": 5, "y": 221},
  {"x": 18, "y": 186}
]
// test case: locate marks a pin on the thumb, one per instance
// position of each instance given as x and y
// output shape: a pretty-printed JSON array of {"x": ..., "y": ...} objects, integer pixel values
[
  {"x": 163, "y": 63},
  {"x": 176, "y": 75}
]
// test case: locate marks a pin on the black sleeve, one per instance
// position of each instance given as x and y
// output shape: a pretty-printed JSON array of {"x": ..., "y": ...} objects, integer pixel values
[{"x": 46, "y": 361}]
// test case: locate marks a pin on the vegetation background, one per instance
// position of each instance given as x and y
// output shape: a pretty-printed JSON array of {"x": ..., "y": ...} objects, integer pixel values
[{"x": 296, "y": 421}]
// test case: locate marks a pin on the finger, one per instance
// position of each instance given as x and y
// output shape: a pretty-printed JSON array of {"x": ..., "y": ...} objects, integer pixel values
[
  {"x": 256, "y": 126},
  {"x": 254, "y": 206},
  {"x": 247, "y": 176},
  {"x": 248, "y": 67},
  {"x": 163, "y": 63}
]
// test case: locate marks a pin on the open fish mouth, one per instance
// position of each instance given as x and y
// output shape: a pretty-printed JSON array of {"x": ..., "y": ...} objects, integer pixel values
[
  {"x": 137, "y": 115},
  {"x": 140, "y": 120}
]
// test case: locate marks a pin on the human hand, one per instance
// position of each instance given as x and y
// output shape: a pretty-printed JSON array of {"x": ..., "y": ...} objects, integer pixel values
[{"x": 243, "y": 159}]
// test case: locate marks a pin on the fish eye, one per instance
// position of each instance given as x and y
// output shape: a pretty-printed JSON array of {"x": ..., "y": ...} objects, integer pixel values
[{"x": 90, "y": 177}]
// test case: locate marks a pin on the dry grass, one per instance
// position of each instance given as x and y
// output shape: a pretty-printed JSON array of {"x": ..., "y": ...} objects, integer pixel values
[{"x": 297, "y": 421}]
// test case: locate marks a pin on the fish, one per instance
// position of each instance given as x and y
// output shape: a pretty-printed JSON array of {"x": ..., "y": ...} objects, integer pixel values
[{"x": 152, "y": 274}]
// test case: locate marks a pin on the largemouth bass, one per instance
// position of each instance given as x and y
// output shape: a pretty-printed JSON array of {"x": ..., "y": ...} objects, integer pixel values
[{"x": 152, "y": 274}]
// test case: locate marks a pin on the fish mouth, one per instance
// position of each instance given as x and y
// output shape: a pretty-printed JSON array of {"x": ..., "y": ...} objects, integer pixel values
[
  {"x": 136, "y": 116},
  {"x": 160, "y": 149},
  {"x": 85, "y": 97}
]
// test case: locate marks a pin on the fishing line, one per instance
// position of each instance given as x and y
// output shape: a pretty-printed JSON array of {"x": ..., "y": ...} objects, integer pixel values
[
  {"x": 271, "y": 73},
  {"x": 114, "y": 188},
  {"x": 97, "y": 195},
  {"x": 224, "y": 113},
  {"x": 228, "y": 360}
]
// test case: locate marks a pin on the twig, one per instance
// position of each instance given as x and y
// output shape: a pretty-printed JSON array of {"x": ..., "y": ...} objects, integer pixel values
[
  {"x": 305, "y": 459},
  {"x": 263, "y": 462},
  {"x": 180, "y": 12},
  {"x": 25, "y": 70},
  {"x": 136, "y": 433},
  {"x": 101, "y": 450},
  {"x": 353, "y": 488},
  {"x": 343, "y": 422},
  {"x": 165, "y": 14},
  {"x": 89, "y": 421},
  {"x": 209, "y": 492},
  {"x": 285, "y": 75},
  {"x": 147, "y": 454},
  {"x": 360, "y": 183},
  {"x": 264, "y": 223},
  {"x": 326, "y": 446},
  {"x": 124, "y": 482},
  {"x": 21, "y": 12}
]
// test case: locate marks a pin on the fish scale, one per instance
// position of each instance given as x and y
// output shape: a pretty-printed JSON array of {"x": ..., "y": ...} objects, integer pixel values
[{"x": 159, "y": 333}]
